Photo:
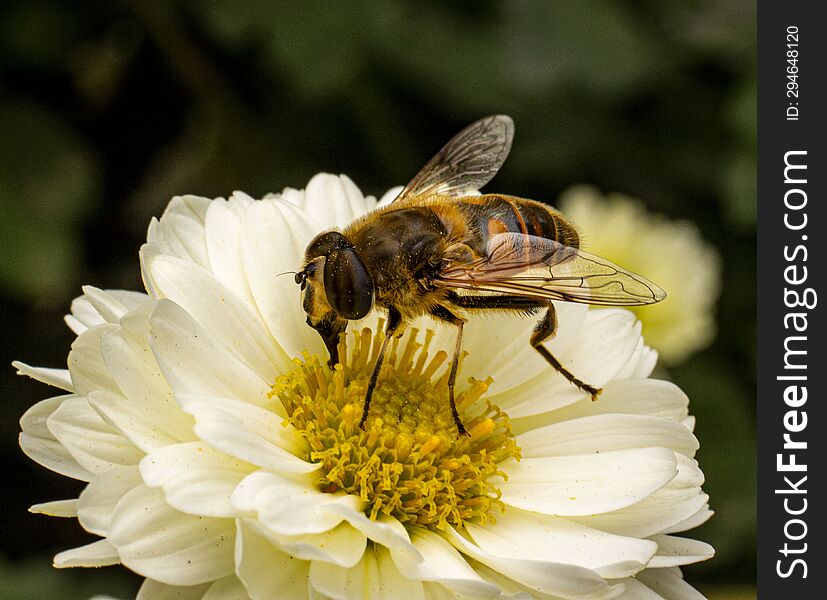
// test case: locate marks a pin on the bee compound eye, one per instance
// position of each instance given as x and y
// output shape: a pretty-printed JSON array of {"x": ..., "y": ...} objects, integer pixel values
[{"x": 348, "y": 285}]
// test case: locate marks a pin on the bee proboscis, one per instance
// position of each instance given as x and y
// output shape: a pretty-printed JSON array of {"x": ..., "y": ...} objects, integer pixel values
[{"x": 442, "y": 249}]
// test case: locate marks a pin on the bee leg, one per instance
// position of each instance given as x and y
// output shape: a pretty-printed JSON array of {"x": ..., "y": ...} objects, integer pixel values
[
  {"x": 546, "y": 329},
  {"x": 394, "y": 321},
  {"x": 443, "y": 314},
  {"x": 330, "y": 328}
]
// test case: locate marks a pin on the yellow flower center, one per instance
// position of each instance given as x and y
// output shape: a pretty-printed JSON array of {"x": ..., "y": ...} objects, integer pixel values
[{"x": 409, "y": 462}]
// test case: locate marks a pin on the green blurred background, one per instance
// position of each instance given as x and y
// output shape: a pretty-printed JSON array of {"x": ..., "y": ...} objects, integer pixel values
[{"x": 110, "y": 108}]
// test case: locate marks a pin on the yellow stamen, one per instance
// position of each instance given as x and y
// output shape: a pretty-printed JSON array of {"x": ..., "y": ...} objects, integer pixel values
[{"x": 409, "y": 462}]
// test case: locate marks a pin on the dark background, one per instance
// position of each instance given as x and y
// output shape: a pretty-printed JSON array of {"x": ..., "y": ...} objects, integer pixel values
[{"x": 107, "y": 109}]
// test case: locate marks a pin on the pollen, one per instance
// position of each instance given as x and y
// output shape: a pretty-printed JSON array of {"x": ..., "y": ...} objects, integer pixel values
[{"x": 409, "y": 462}]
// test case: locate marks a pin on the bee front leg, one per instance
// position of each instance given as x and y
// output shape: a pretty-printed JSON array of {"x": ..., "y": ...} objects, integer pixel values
[
  {"x": 546, "y": 329},
  {"x": 330, "y": 328},
  {"x": 394, "y": 321},
  {"x": 443, "y": 314}
]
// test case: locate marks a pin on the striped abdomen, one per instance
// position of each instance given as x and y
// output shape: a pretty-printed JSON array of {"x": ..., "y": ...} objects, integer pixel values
[{"x": 491, "y": 214}]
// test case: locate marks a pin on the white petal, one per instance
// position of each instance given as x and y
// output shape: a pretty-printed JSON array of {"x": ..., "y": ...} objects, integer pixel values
[
  {"x": 589, "y": 483},
  {"x": 188, "y": 206},
  {"x": 180, "y": 232},
  {"x": 76, "y": 326},
  {"x": 343, "y": 545},
  {"x": 195, "y": 478},
  {"x": 150, "y": 417},
  {"x": 625, "y": 396},
  {"x": 675, "y": 551},
  {"x": 333, "y": 201},
  {"x": 635, "y": 590},
  {"x": 392, "y": 583},
  {"x": 639, "y": 396},
  {"x": 535, "y": 403},
  {"x": 646, "y": 363},
  {"x": 384, "y": 530},
  {"x": 106, "y": 305},
  {"x": 565, "y": 581},
  {"x": 193, "y": 361},
  {"x": 239, "y": 201},
  {"x": 669, "y": 584},
  {"x": 145, "y": 429},
  {"x": 223, "y": 238},
  {"x": 96, "y": 554},
  {"x": 33, "y": 422},
  {"x": 602, "y": 433},
  {"x": 288, "y": 194},
  {"x": 147, "y": 255},
  {"x": 375, "y": 577},
  {"x": 39, "y": 444},
  {"x": 290, "y": 505},
  {"x": 155, "y": 590},
  {"x": 56, "y": 508},
  {"x": 129, "y": 298},
  {"x": 441, "y": 563},
  {"x": 514, "y": 590},
  {"x": 233, "y": 324},
  {"x": 59, "y": 378},
  {"x": 696, "y": 520},
  {"x": 524, "y": 535},
  {"x": 641, "y": 363},
  {"x": 96, "y": 445},
  {"x": 83, "y": 315},
  {"x": 86, "y": 364},
  {"x": 52, "y": 455},
  {"x": 248, "y": 432},
  {"x": 267, "y": 572},
  {"x": 604, "y": 345},
  {"x": 497, "y": 345},
  {"x": 160, "y": 542},
  {"x": 98, "y": 500},
  {"x": 227, "y": 588},
  {"x": 180, "y": 237},
  {"x": 435, "y": 591},
  {"x": 275, "y": 235},
  {"x": 679, "y": 500}
]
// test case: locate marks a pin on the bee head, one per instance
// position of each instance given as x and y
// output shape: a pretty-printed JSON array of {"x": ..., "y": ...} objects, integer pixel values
[
  {"x": 334, "y": 267},
  {"x": 336, "y": 287}
]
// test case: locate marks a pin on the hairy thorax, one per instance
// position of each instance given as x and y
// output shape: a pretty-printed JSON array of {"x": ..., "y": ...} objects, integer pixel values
[{"x": 402, "y": 249}]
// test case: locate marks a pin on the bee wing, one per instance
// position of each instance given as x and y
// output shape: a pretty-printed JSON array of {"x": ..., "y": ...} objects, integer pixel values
[
  {"x": 536, "y": 267},
  {"x": 467, "y": 162}
]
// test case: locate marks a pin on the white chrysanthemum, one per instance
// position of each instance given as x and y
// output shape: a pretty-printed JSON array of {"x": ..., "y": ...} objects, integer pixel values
[
  {"x": 671, "y": 253},
  {"x": 220, "y": 466}
]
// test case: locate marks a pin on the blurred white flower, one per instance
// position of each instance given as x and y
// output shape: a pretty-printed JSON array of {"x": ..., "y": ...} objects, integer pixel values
[
  {"x": 220, "y": 466},
  {"x": 671, "y": 253}
]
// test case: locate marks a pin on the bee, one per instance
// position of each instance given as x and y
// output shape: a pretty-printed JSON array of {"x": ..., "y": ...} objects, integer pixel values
[{"x": 442, "y": 249}]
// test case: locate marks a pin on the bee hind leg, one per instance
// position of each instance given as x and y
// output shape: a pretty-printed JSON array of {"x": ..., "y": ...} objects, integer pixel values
[{"x": 546, "y": 329}]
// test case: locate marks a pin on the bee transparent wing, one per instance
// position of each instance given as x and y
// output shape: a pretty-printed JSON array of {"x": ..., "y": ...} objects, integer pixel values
[
  {"x": 467, "y": 162},
  {"x": 536, "y": 267}
]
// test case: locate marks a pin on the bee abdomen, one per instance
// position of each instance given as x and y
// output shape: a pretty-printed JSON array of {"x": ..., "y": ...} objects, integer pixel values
[{"x": 491, "y": 214}]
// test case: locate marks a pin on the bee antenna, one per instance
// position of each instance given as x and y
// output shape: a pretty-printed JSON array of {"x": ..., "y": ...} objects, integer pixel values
[{"x": 288, "y": 273}]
